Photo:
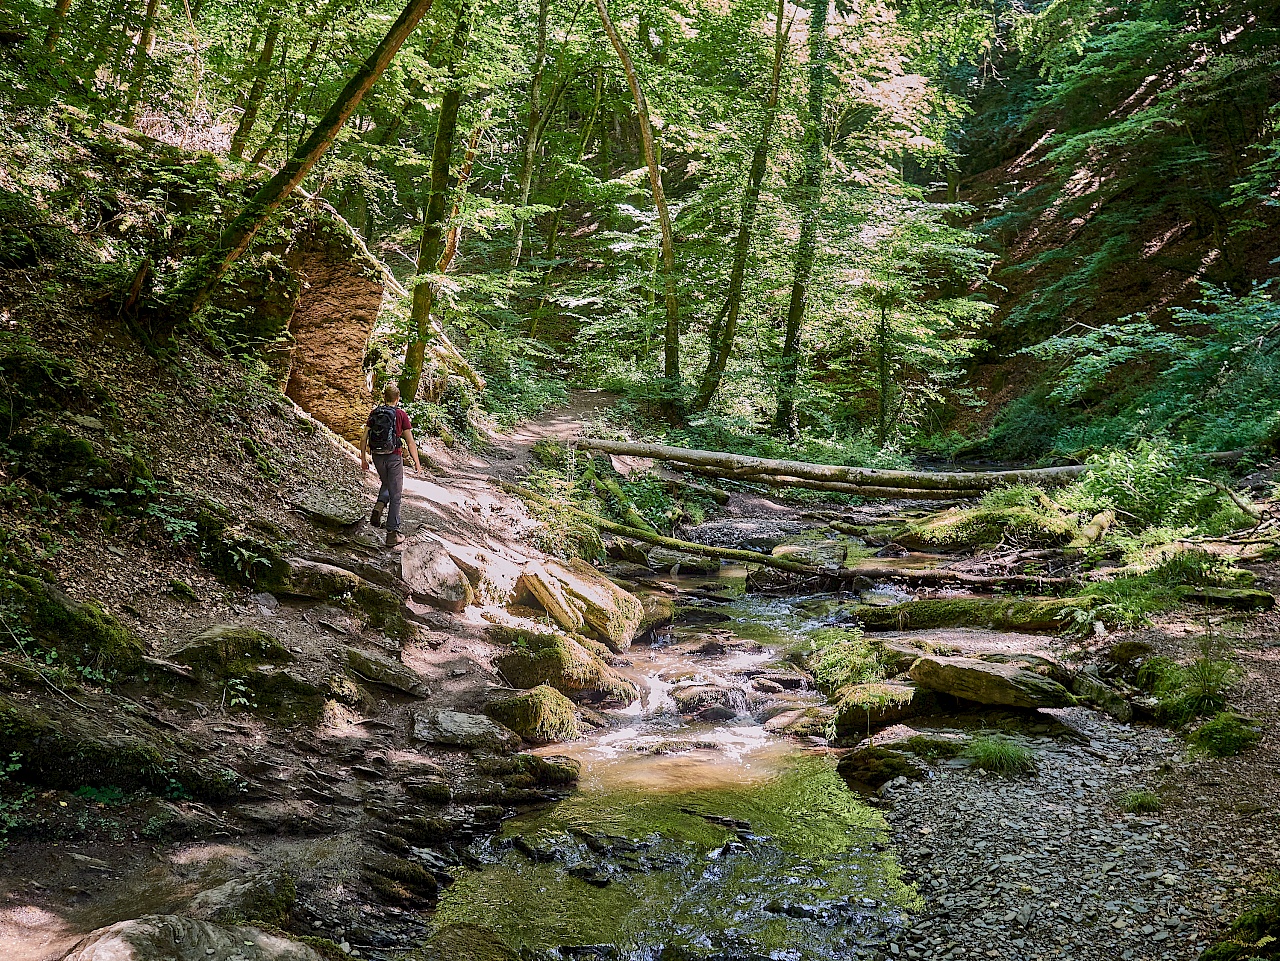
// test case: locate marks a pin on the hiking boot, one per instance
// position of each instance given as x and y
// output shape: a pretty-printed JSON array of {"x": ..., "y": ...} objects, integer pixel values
[
  {"x": 394, "y": 538},
  {"x": 376, "y": 517}
]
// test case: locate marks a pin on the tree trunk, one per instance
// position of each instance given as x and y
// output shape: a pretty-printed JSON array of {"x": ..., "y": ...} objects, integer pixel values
[
  {"x": 254, "y": 101},
  {"x": 453, "y": 238},
  {"x": 743, "y": 467},
  {"x": 290, "y": 99},
  {"x": 883, "y": 344},
  {"x": 811, "y": 203},
  {"x": 671, "y": 352},
  {"x": 433, "y": 221},
  {"x": 724, "y": 331},
  {"x": 140, "y": 62},
  {"x": 235, "y": 240},
  {"x": 533, "y": 132},
  {"x": 57, "y": 18}
]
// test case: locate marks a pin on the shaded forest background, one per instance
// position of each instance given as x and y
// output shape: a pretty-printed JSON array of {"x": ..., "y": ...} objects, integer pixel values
[{"x": 954, "y": 229}]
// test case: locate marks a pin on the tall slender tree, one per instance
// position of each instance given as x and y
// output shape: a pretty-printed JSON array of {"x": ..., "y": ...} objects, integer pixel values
[
  {"x": 431, "y": 243},
  {"x": 815, "y": 162},
  {"x": 671, "y": 348},
  {"x": 142, "y": 53},
  {"x": 261, "y": 73}
]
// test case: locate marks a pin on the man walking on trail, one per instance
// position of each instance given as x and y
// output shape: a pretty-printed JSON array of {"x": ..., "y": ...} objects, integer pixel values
[{"x": 386, "y": 433}]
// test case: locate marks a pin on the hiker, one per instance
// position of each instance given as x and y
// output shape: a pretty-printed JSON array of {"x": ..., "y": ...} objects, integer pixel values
[{"x": 386, "y": 433}]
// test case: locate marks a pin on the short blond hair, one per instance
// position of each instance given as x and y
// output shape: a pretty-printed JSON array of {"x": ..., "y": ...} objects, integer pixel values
[{"x": 390, "y": 393}]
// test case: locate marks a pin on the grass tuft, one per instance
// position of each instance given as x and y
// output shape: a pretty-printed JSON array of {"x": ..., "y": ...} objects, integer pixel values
[
  {"x": 1000, "y": 755},
  {"x": 1141, "y": 802}
]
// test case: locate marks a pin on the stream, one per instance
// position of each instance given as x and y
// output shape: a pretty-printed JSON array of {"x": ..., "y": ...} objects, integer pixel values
[{"x": 695, "y": 832}]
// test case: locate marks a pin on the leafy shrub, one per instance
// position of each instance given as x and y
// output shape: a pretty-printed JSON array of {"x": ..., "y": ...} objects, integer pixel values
[
  {"x": 1256, "y": 933},
  {"x": 842, "y": 656},
  {"x": 1000, "y": 755},
  {"x": 1226, "y": 735}
]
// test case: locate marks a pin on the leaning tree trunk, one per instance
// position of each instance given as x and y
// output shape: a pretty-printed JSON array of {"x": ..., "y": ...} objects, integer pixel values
[
  {"x": 721, "y": 345},
  {"x": 671, "y": 351},
  {"x": 57, "y": 18},
  {"x": 139, "y": 74},
  {"x": 235, "y": 240},
  {"x": 811, "y": 201},
  {"x": 254, "y": 101},
  {"x": 433, "y": 221}
]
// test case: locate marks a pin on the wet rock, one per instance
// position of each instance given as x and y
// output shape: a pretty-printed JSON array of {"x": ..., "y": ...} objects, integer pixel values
[
  {"x": 467, "y": 942},
  {"x": 824, "y": 554},
  {"x": 167, "y": 937},
  {"x": 801, "y": 722},
  {"x": 986, "y": 683},
  {"x": 690, "y": 699},
  {"x": 456, "y": 729},
  {"x": 562, "y": 662},
  {"x": 540, "y": 716},
  {"x": 268, "y": 897},
  {"x": 609, "y": 612},
  {"x": 874, "y": 766},
  {"x": 329, "y": 508},
  {"x": 622, "y": 550},
  {"x": 377, "y": 669},
  {"x": 433, "y": 576},
  {"x": 533, "y": 770}
]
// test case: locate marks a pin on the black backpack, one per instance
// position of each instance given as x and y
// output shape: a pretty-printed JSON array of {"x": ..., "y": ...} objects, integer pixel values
[{"x": 382, "y": 430}]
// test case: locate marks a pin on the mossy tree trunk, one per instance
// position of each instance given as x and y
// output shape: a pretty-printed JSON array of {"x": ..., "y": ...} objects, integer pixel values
[
  {"x": 431, "y": 243},
  {"x": 193, "y": 294},
  {"x": 261, "y": 73},
  {"x": 139, "y": 73},
  {"x": 57, "y": 18},
  {"x": 811, "y": 207}
]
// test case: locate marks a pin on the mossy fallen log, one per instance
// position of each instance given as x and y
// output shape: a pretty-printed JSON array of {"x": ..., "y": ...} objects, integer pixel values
[{"x": 1012, "y": 614}]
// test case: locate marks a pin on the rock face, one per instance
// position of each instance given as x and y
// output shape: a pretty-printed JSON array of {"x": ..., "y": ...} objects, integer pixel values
[
  {"x": 382, "y": 670},
  {"x": 455, "y": 729},
  {"x": 339, "y": 302},
  {"x": 561, "y": 662},
  {"x": 433, "y": 576},
  {"x": 167, "y": 937},
  {"x": 1008, "y": 685}
]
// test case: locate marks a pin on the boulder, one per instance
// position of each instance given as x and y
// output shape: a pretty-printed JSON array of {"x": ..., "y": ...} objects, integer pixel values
[
  {"x": 624, "y": 550},
  {"x": 433, "y": 575},
  {"x": 378, "y": 669},
  {"x": 801, "y": 721},
  {"x": 267, "y": 897},
  {"x": 611, "y": 613},
  {"x": 1124, "y": 653},
  {"x": 962, "y": 528},
  {"x": 541, "y": 716},
  {"x": 83, "y": 630},
  {"x": 1007, "y": 685},
  {"x": 167, "y": 937},
  {"x": 225, "y": 647},
  {"x": 562, "y": 662},
  {"x": 547, "y": 591},
  {"x": 693, "y": 698},
  {"x": 456, "y": 729}
]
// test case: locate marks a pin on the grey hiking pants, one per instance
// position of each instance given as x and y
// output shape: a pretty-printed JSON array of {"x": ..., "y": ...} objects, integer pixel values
[{"x": 390, "y": 469}]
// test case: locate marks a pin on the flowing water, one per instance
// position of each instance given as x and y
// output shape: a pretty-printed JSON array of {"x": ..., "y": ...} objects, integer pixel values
[{"x": 701, "y": 836}]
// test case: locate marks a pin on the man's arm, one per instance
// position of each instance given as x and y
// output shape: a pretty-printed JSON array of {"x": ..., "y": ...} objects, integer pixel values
[
  {"x": 413, "y": 449},
  {"x": 364, "y": 449}
]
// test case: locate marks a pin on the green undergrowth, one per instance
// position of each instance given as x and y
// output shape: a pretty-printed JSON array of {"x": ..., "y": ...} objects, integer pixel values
[
  {"x": 999, "y": 754},
  {"x": 1256, "y": 933},
  {"x": 842, "y": 656},
  {"x": 1197, "y": 688},
  {"x": 1140, "y": 802}
]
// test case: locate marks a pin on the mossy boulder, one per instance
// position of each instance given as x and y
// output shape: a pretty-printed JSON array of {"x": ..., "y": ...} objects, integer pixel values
[
  {"x": 874, "y": 766},
  {"x": 267, "y": 897},
  {"x": 1005, "y": 685},
  {"x": 541, "y": 716},
  {"x": 1234, "y": 598},
  {"x": 560, "y": 661},
  {"x": 317, "y": 580},
  {"x": 863, "y": 709},
  {"x": 83, "y": 631},
  {"x": 279, "y": 695},
  {"x": 226, "y": 649},
  {"x": 971, "y": 528},
  {"x": 532, "y": 770},
  {"x": 464, "y": 942},
  {"x": 1005, "y": 614}
]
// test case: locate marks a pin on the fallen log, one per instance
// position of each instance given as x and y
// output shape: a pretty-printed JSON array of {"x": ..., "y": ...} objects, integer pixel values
[
  {"x": 1093, "y": 531},
  {"x": 938, "y": 577},
  {"x": 835, "y": 487},
  {"x": 742, "y": 466}
]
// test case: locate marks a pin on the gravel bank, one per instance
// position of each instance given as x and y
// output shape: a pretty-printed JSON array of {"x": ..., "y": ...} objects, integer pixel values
[{"x": 1050, "y": 867}]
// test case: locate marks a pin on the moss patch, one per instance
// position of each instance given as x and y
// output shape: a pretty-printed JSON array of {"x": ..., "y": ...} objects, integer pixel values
[
  {"x": 874, "y": 766},
  {"x": 1051, "y": 614},
  {"x": 560, "y": 661},
  {"x": 227, "y": 648},
  {"x": 984, "y": 526},
  {"x": 1226, "y": 735}
]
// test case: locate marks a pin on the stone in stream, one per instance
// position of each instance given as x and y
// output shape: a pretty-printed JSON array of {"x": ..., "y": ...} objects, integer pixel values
[
  {"x": 1007, "y": 685},
  {"x": 167, "y": 937},
  {"x": 455, "y": 729},
  {"x": 563, "y": 662},
  {"x": 577, "y": 596},
  {"x": 865, "y": 708},
  {"x": 692, "y": 698},
  {"x": 663, "y": 560}
]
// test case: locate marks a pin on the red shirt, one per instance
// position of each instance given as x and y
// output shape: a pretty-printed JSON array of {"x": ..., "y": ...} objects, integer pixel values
[{"x": 402, "y": 424}]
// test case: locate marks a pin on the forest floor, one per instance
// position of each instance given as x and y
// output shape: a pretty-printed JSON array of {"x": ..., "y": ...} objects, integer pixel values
[{"x": 1044, "y": 866}]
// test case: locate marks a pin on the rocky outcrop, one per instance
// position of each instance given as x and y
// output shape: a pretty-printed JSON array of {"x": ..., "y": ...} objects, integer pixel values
[
  {"x": 168, "y": 937},
  {"x": 1007, "y": 685},
  {"x": 580, "y": 598},
  {"x": 433, "y": 576},
  {"x": 377, "y": 669},
  {"x": 560, "y": 661},
  {"x": 337, "y": 307},
  {"x": 456, "y": 729},
  {"x": 541, "y": 716}
]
